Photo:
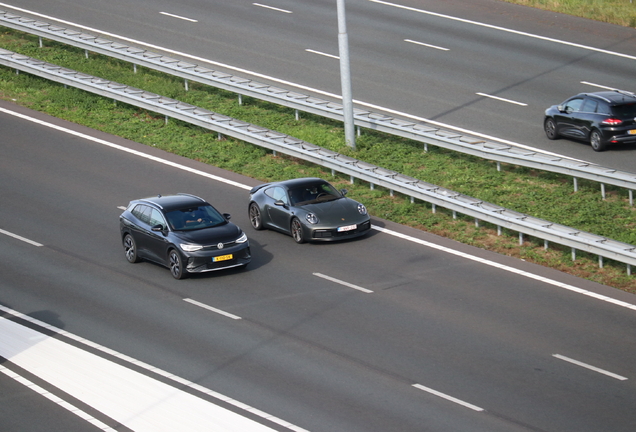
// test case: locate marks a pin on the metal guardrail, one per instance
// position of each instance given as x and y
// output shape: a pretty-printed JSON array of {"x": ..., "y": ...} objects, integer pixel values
[
  {"x": 427, "y": 133},
  {"x": 276, "y": 141}
]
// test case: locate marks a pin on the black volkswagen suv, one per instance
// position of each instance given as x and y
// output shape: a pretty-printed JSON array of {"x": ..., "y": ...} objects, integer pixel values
[
  {"x": 184, "y": 233},
  {"x": 600, "y": 118}
]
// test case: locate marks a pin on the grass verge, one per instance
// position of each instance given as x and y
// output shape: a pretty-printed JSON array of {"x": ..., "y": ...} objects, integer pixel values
[
  {"x": 540, "y": 194},
  {"x": 620, "y": 12}
]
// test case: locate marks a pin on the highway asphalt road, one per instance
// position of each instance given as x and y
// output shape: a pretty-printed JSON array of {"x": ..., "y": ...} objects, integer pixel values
[
  {"x": 484, "y": 65},
  {"x": 400, "y": 330}
]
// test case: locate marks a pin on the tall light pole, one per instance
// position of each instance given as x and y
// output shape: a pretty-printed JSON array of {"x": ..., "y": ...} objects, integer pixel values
[{"x": 345, "y": 76}]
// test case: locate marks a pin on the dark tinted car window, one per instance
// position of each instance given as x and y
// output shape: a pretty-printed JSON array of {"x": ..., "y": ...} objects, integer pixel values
[
  {"x": 603, "y": 108},
  {"x": 589, "y": 106},
  {"x": 573, "y": 105},
  {"x": 193, "y": 218},
  {"x": 156, "y": 218},
  {"x": 142, "y": 212},
  {"x": 627, "y": 110}
]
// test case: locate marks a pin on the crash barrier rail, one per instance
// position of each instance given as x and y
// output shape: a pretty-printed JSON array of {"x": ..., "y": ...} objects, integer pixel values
[
  {"x": 425, "y": 132},
  {"x": 375, "y": 175}
]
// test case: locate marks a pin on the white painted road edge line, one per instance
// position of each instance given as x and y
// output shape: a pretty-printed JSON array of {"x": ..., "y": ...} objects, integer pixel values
[
  {"x": 347, "y": 284},
  {"x": 383, "y": 230},
  {"x": 69, "y": 407},
  {"x": 587, "y": 366},
  {"x": 508, "y": 268},
  {"x": 447, "y": 397},
  {"x": 210, "y": 308},
  {"x": 501, "y": 99},
  {"x": 322, "y": 54},
  {"x": 24, "y": 239},
  {"x": 152, "y": 369},
  {"x": 299, "y": 86}
]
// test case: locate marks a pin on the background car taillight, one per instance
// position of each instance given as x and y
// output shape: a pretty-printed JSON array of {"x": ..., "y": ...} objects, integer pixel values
[{"x": 612, "y": 122}]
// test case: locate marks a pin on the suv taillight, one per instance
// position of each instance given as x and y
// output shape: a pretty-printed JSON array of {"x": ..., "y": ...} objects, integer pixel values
[{"x": 612, "y": 122}]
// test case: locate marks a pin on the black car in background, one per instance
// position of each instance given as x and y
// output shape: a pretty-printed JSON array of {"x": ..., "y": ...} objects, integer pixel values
[
  {"x": 308, "y": 209},
  {"x": 184, "y": 233},
  {"x": 600, "y": 118}
]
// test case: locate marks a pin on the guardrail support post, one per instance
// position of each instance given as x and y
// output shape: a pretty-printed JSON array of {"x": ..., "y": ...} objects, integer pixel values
[
  {"x": 545, "y": 244},
  {"x": 576, "y": 184},
  {"x": 454, "y": 214},
  {"x": 498, "y": 166},
  {"x": 240, "y": 99},
  {"x": 520, "y": 239},
  {"x": 185, "y": 81},
  {"x": 476, "y": 223},
  {"x": 498, "y": 230},
  {"x": 371, "y": 186},
  {"x": 86, "y": 53},
  {"x": 600, "y": 261},
  {"x": 296, "y": 115},
  {"x": 603, "y": 190},
  {"x": 631, "y": 198},
  {"x": 629, "y": 269},
  {"x": 433, "y": 208},
  {"x": 40, "y": 41},
  {"x": 573, "y": 254},
  {"x": 134, "y": 67}
]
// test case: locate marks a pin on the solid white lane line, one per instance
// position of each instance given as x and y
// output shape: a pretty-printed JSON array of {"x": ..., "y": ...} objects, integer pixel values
[
  {"x": 210, "y": 308},
  {"x": 322, "y": 53},
  {"x": 383, "y": 230},
  {"x": 178, "y": 16},
  {"x": 135, "y": 400},
  {"x": 272, "y": 8},
  {"x": 590, "y": 367},
  {"x": 289, "y": 83},
  {"x": 501, "y": 99},
  {"x": 34, "y": 337},
  {"x": 426, "y": 45},
  {"x": 24, "y": 239},
  {"x": 447, "y": 397},
  {"x": 504, "y": 29},
  {"x": 42, "y": 392},
  {"x": 347, "y": 284},
  {"x": 127, "y": 150},
  {"x": 507, "y": 268}
]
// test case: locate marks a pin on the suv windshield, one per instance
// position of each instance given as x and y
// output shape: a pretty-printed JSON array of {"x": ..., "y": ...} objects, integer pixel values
[{"x": 193, "y": 218}]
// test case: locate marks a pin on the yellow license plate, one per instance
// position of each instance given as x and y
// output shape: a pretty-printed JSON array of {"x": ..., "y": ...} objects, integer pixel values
[
  {"x": 222, "y": 258},
  {"x": 632, "y": 132}
]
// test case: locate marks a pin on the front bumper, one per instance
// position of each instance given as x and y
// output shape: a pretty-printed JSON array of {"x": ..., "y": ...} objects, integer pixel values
[
  {"x": 204, "y": 261},
  {"x": 332, "y": 234}
]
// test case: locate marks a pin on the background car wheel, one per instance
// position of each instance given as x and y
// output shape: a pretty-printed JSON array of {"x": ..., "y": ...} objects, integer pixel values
[
  {"x": 297, "y": 231},
  {"x": 176, "y": 265},
  {"x": 130, "y": 249},
  {"x": 596, "y": 141},
  {"x": 255, "y": 216},
  {"x": 550, "y": 129}
]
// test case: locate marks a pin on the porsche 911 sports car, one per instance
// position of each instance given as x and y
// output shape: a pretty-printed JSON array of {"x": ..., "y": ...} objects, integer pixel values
[{"x": 308, "y": 209}]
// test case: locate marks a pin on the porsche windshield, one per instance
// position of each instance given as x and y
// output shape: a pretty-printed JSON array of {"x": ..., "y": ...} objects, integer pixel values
[
  {"x": 194, "y": 218},
  {"x": 314, "y": 192}
]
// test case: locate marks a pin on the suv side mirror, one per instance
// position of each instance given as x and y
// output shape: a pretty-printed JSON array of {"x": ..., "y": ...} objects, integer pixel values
[
  {"x": 227, "y": 216},
  {"x": 344, "y": 192}
]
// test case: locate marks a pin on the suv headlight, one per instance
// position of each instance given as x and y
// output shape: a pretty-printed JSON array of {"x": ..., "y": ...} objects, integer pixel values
[
  {"x": 242, "y": 238},
  {"x": 362, "y": 209},
  {"x": 311, "y": 218},
  {"x": 187, "y": 247}
]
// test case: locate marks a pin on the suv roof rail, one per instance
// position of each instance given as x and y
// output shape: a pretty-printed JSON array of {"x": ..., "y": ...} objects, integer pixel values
[
  {"x": 191, "y": 196},
  {"x": 625, "y": 93}
]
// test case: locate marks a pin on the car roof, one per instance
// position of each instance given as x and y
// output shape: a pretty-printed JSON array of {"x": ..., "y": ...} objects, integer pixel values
[
  {"x": 173, "y": 202},
  {"x": 289, "y": 184},
  {"x": 614, "y": 97}
]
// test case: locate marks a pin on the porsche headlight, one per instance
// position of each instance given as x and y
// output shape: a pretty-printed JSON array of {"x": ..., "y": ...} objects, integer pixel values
[
  {"x": 187, "y": 247},
  {"x": 242, "y": 238},
  {"x": 311, "y": 218},
  {"x": 362, "y": 209}
]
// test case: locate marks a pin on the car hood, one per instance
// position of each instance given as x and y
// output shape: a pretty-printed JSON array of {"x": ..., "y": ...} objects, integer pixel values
[
  {"x": 337, "y": 211},
  {"x": 222, "y": 233}
]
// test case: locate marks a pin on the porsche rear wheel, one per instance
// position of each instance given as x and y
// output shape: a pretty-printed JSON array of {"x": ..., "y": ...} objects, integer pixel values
[{"x": 297, "y": 231}]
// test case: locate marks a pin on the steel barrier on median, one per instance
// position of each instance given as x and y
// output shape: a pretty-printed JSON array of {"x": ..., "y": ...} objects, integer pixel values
[
  {"x": 425, "y": 132},
  {"x": 276, "y": 141}
]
